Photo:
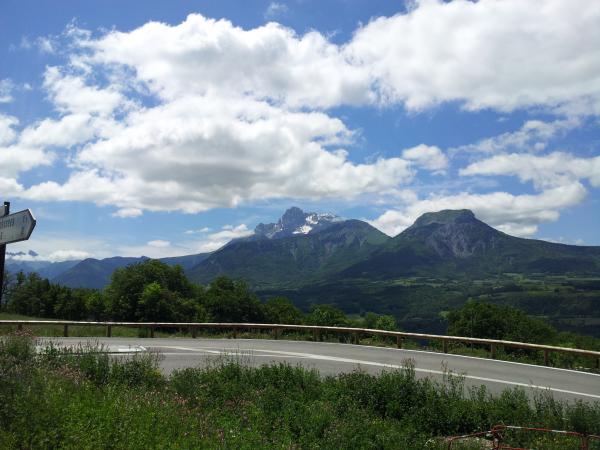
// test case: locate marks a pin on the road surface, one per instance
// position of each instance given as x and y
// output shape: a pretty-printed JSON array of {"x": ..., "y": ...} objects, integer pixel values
[{"x": 333, "y": 358}]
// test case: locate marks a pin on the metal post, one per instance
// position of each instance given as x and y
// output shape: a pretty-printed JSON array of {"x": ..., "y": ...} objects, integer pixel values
[
  {"x": 66, "y": 330},
  {"x": 194, "y": 332},
  {"x": 3, "y": 253},
  {"x": 546, "y": 357},
  {"x": 399, "y": 341},
  {"x": 108, "y": 330},
  {"x": 151, "y": 332},
  {"x": 445, "y": 345},
  {"x": 493, "y": 351}
]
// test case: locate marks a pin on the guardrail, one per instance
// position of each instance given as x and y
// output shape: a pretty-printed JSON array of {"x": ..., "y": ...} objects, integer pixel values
[
  {"x": 317, "y": 331},
  {"x": 497, "y": 440}
]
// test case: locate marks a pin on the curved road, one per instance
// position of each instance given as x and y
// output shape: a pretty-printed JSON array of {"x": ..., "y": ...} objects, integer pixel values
[{"x": 334, "y": 358}]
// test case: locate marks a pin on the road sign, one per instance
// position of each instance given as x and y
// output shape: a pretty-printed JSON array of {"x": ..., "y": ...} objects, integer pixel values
[{"x": 16, "y": 227}]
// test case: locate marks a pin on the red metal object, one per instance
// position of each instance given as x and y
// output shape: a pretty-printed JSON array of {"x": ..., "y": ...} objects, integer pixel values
[{"x": 496, "y": 436}]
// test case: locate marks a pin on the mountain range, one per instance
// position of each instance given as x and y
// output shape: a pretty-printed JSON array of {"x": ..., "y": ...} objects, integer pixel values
[{"x": 305, "y": 248}]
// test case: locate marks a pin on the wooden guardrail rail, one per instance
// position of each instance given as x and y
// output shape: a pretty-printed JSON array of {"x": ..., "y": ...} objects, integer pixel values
[{"x": 317, "y": 331}]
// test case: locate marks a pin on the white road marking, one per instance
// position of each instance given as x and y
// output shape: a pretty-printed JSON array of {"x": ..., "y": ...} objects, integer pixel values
[{"x": 378, "y": 364}]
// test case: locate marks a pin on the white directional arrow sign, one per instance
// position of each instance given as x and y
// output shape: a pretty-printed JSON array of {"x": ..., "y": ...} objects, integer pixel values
[{"x": 16, "y": 227}]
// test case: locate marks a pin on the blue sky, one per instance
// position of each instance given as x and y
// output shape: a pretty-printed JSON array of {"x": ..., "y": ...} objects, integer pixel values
[{"x": 165, "y": 128}]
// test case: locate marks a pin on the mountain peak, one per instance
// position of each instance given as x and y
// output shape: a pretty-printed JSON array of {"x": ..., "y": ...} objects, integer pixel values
[
  {"x": 295, "y": 221},
  {"x": 453, "y": 233},
  {"x": 446, "y": 216}
]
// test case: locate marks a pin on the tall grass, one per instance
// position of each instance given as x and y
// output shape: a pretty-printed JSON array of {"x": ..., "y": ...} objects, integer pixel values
[{"x": 85, "y": 399}]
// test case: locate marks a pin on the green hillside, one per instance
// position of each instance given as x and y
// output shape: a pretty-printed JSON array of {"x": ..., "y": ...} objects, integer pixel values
[{"x": 292, "y": 260}]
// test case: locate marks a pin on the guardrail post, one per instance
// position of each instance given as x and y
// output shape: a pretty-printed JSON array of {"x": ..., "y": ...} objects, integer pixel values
[
  {"x": 194, "y": 332},
  {"x": 151, "y": 332},
  {"x": 546, "y": 357},
  {"x": 108, "y": 330},
  {"x": 276, "y": 333},
  {"x": 493, "y": 351},
  {"x": 356, "y": 338},
  {"x": 20, "y": 327},
  {"x": 445, "y": 345},
  {"x": 315, "y": 335},
  {"x": 399, "y": 341},
  {"x": 66, "y": 330}
]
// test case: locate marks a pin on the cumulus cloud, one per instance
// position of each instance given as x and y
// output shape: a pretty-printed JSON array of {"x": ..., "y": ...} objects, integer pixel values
[
  {"x": 203, "y": 55},
  {"x": 546, "y": 170},
  {"x": 519, "y": 215},
  {"x": 72, "y": 94},
  {"x": 236, "y": 115},
  {"x": 197, "y": 153},
  {"x": 487, "y": 54},
  {"x": 427, "y": 157},
  {"x": 7, "y": 132}
]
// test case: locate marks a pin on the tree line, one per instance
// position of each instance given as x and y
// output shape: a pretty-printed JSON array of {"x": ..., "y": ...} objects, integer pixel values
[{"x": 152, "y": 291}]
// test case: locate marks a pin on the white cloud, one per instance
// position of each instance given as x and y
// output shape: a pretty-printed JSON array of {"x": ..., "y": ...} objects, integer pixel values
[
  {"x": 6, "y": 88},
  {"x": 7, "y": 133},
  {"x": 534, "y": 135},
  {"x": 275, "y": 9},
  {"x": 159, "y": 243},
  {"x": 128, "y": 212},
  {"x": 198, "y": 231},
  {"x": 213, "y": 138},
  {"x": 15, "y": 159},
  {"x": 71, "y": 94},
  {"x": 218, "y": 239},
  {"x": 201, "y": 56},
  {"x": 46, "y": 44},
  {"x": 55, "y": 256},
  {"x": 514, "y": 214},
  {"x": 56, "y": 247},
  {"x": 197, "y": 153},
  {"x": 503, "y": 55},
  {"x": 427, "y": 157},
  {"x": 545, "y": 170}
]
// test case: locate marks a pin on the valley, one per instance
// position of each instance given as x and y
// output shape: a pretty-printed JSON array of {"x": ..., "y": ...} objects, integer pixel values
[{"x": 436, "y": 265}]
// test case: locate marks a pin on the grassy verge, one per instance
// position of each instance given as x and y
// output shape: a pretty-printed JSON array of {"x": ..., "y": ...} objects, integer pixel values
[
  {"x": 530, "y": 357},
  {"x": 84, "y": 400}
]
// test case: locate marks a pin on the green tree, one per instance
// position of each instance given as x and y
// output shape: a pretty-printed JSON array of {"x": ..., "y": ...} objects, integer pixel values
[
  {"x": 281, "y": 310},
  {"x": 326, "y": 315},
  {"x": 232, "y": 301},
  {"x": 485, "y": 320},
  {"x": 96, "y": 305},
  {"x": 128, "y": 284},
  {"x": 385, "y": 322}
]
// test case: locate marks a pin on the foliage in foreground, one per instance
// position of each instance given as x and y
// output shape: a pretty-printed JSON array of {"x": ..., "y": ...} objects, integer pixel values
[{"x": 84, "y": 400}]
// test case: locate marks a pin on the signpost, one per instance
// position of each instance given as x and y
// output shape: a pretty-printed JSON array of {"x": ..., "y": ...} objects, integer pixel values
[{"x": 13, "y": 228}]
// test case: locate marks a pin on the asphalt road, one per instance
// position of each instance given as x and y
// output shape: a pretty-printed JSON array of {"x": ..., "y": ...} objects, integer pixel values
[{"x": 332, "y": 358}]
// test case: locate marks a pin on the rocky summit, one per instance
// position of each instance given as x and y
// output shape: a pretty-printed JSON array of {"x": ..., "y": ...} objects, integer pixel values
[
  {"x": 294, "y": 222},
  {"x": 454, "y": 233}
]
